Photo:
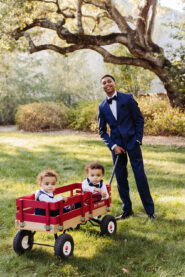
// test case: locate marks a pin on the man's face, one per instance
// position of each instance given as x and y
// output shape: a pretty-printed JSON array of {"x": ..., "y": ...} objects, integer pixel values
[{"x": 108, "y": 86}]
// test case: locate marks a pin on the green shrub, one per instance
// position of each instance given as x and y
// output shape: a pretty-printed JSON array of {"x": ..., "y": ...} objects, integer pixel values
[
  {"x": 41, "y": 117},
  {"x": 8, "y": 107},
  {"x": 84, "y": 117},
  {"x": 9, "y": 102},
  {"x": 160, "y": 118}
]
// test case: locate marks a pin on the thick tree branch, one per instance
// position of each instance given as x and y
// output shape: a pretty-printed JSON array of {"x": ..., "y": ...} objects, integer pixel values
[
  {"x": 69, "y": 37},
  {"x": 117, "y": 17},
  {"x": 152, "y": 46},
  {"x": 109, "y": 58},
  {"x": 62, "y": 50},
  {"x": 152, "y": 20},
  {"x": 41, "y": 22},
  {"x": 79, "y": 17},
  {"x": 142, "y": 20},
  {"x": 143, "y": 16}
]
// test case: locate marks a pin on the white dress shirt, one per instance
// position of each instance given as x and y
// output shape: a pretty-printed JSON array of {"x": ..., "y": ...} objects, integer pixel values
[
  {"x": 113, "y": 105},
  {"x": 86, "y": 187},
  {"x": 45, "y": 197}
]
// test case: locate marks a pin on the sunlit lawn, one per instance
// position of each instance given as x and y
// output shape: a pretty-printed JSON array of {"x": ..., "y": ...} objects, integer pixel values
[{"x": 145, "y": 248}]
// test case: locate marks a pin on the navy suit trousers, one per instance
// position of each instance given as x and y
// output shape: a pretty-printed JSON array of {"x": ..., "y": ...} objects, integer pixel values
[{"x": 121, "y": 173}]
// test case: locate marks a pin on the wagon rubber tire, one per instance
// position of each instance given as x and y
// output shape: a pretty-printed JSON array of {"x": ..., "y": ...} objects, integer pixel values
[
  {"x": 108, "y": 225},
  {"x": 64, "y": 246},
  {"x": 23, "y": 241}
]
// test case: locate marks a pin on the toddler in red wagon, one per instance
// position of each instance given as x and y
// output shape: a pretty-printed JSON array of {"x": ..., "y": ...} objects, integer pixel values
[
  {"x": 94, "y": 182},
  {"x": 47, "y": 181}
]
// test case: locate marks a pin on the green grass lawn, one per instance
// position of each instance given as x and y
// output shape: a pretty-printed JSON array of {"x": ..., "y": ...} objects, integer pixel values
[{"x": 146, "y": 248}]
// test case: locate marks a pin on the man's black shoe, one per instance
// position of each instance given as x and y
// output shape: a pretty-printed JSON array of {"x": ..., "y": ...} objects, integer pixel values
[
  {"x": 124, "y": 215},
  {"x": 151, "y": 217}
]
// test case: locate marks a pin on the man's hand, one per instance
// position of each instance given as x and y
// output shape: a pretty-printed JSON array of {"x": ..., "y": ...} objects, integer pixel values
[{"x": 118, "y": 150}]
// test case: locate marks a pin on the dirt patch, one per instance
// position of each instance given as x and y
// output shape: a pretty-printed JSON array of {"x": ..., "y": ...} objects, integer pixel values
[
  {"x": 156, "y": 140},
  {"x": 161, "y": 140},
  {"x": 9, "y": 128}
]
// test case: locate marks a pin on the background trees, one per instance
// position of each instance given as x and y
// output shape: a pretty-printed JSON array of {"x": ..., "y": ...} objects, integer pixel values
[
  {"x": 67, "y": 26},
  {"x": 73, "y": 78}
]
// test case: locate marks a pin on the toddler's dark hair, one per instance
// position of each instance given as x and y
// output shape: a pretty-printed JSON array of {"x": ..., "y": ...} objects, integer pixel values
[
  {"x": 94, "y": 166},
  {"x": 46, "y": 173}
]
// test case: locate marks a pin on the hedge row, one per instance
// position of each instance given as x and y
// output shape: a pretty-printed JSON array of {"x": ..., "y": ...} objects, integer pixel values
[
  {"x": 44, "y": 116},
  {"x": 160, "y": 117}
]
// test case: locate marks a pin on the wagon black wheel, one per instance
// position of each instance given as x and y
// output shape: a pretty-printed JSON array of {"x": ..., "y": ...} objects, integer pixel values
[
  {"x": 23, "y": 241},
  {"x": 108, "y": 225},
  {"x": 64, "y": 246}
]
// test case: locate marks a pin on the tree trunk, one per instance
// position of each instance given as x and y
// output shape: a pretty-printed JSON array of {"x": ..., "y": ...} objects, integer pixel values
[{"x": 173, "y": 82}]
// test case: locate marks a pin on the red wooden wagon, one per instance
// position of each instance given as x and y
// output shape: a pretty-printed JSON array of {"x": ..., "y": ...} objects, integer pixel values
[{"x": 92, "y": 207}]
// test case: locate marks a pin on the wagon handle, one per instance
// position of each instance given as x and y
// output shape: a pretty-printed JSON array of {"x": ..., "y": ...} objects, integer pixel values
[{"x": 113, "y": 170}]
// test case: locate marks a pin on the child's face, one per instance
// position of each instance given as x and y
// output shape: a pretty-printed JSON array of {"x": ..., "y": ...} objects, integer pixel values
[
  {"x": 95, "y": 175},
  {"x": 48, "y": 184}
]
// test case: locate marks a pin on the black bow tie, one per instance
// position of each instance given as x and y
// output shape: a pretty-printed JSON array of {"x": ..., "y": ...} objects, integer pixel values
[
  {"x": 94, "y": 185},
  {"x": 110, "y": 99}
]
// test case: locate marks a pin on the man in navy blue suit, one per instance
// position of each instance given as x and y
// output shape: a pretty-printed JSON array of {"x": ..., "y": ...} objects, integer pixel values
[{"x": 121, "y": 112}]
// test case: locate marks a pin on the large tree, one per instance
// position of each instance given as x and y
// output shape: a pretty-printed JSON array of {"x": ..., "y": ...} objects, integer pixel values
[{"x": 95, "y": 24}]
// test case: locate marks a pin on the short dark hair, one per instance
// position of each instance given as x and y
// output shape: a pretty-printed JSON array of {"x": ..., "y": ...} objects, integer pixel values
[
  {"x": 46, "y": 173},
  {"x": 107, "y": 75},
  {"x": 94, "y": 166}
]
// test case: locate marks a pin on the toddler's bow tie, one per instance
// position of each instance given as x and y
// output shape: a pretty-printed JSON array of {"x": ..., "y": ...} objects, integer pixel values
[
  {"x": 94, "y": 185},
  {"x": 110, "y": 99}
]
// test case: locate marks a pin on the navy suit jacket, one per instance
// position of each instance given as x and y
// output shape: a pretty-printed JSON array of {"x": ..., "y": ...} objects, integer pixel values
[{"x": 129, "y": 124}]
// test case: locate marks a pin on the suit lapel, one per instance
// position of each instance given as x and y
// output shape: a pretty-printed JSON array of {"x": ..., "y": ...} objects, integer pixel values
[{"x": 118, "y": 104}]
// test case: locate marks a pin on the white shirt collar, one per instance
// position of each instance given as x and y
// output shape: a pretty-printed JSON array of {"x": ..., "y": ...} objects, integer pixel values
[
  {"x": 50, "y": 194},
  {"x": 93, "y": 183}
]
